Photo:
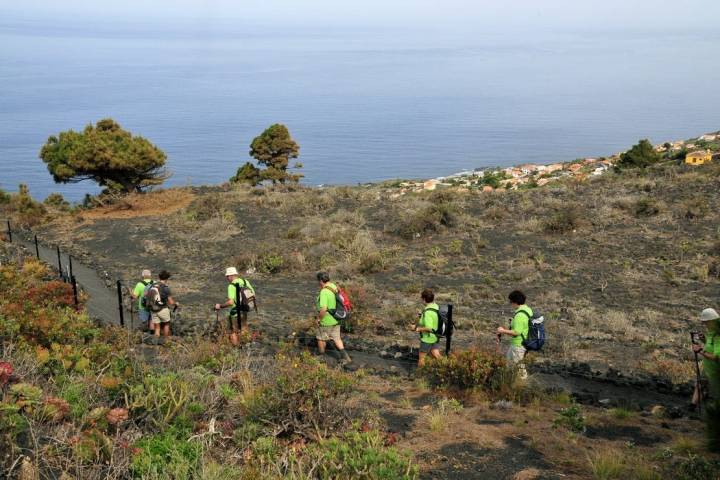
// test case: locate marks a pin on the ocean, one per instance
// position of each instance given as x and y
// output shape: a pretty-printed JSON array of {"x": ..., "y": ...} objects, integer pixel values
[{"x": 364, "y": 106}]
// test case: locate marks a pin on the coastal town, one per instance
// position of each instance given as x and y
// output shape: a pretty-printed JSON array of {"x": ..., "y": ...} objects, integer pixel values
[{"x": 695, "y": 151}]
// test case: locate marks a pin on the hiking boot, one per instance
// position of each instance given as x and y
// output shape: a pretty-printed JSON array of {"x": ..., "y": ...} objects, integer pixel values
[{"x": 345, "y": 358}]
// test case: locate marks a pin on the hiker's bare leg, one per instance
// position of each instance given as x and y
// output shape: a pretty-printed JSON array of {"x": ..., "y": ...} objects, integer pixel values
[
  {"x": 233, "y": 335},
  {"x": 243, "y": 322},
  {"x": 421, "y": 359},
  {"x": 321, "y": 346},
  {"x": 435, "y": 353},
  {"x": 339, "y": 344},
  {"x": 166, "y": 329},
  {"x": 156, "y": 328}
]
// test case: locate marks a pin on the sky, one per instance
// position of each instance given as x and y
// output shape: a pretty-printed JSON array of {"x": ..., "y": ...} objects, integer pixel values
[{"x": 466, "y": 15}]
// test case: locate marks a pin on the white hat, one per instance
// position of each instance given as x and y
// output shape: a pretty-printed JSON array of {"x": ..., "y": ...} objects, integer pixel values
[
  {"x": 708, "y": 315},
  {"x": 231, "y": 271},
  {"x": 146, "y": 273}
]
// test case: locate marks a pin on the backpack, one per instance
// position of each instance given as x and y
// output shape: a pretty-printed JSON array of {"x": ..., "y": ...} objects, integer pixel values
[
  {"x": 142, "y": 299},
  {"x": 445, "y": 322},
  {"x": 151, "y": 298},
  {"x": 536, "y": 332},
  {"x": 246, "y": 296},
  {"x": 343, "y": 306}
]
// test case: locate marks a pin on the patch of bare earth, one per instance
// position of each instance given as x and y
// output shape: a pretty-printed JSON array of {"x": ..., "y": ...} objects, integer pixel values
[{"x": 151, "y": 204}]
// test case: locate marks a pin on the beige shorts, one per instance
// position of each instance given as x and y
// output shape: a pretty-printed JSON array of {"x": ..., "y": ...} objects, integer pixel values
[
  {"x": 515, "y": 354},
  {"x": 163, "y": 316},
  {"x": 328, "y": 333}
]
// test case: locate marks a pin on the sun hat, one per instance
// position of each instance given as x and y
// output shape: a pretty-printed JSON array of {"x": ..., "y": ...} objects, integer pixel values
[
  {"x": 231, "y": 271},
  {"x": 708, "y": 315},
  {"x": 146, "y": 273}
]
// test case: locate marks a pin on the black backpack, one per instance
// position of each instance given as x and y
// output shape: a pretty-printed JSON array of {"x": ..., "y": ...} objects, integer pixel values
[
  {"x": 445, "y": 321},
  {"x": 536, "y": 332}
]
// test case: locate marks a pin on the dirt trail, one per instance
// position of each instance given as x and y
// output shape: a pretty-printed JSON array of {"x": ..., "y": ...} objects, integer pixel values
[{"x": 102, "y": 304}]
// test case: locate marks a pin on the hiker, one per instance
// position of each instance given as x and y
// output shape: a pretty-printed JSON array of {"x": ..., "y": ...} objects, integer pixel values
[
  {"x": 238, "y": 316},
  {"x": 138, "y": 294},
  {"x": 160, "y": 311},
  {"x": 328, "y": 326},
  {"x": 518, "y": 331},
  {"x": 426, "y": 326},
  {"x": 710, "y": 351}
]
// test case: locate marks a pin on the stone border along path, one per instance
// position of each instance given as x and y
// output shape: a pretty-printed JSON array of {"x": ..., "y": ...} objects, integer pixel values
[{"x": 102, "y": 305}]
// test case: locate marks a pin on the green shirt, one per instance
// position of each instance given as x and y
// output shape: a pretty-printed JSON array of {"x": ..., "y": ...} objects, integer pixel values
[
  {"x": 520, "y": 325},
  {"x": 232, "y": 290},
  {"x": 326, "y": 300},
  {"x": 711, "y": 368},
  {"x": 429, "y": 319},
  {"x": 139, "y": 290}
]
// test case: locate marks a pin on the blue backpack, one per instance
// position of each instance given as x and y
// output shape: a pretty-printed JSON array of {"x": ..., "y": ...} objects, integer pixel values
[{"x": 536, "y": 332}]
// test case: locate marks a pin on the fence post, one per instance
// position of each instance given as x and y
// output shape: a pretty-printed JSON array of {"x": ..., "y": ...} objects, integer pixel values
[
  {"x": 70, "y": 269},
  {"x": 37, "y": 249},
  {"x": 59, "y": 262},
  {"x": 75, "y": 291},
  {"x": 9, "y": 231},
  {"x": 120, "y": 303}
]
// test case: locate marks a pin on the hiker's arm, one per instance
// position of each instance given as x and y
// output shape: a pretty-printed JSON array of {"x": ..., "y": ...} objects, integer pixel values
[
  {"x": 709, "y": 356},
  {"x": 505, "y": 331},
  {"x": 321, "y": 313},
  {"x": 171, "y": 301},
  {"x": 229, "y": 303}
]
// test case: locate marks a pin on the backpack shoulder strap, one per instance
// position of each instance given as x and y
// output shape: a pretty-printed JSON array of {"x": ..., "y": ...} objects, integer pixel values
[{"x": 523, "y": 311}]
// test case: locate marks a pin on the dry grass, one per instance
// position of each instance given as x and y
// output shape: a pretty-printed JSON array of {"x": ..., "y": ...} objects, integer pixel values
[{"x": 135, "y": 205}]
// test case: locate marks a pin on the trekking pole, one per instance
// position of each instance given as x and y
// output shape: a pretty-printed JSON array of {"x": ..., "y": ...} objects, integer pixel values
[
  {"x": 37, "y": 248},
  {"x": 698, "y": 386},
  {"x": 498, "y": 337},
  {"x": 9, "y": 231}
]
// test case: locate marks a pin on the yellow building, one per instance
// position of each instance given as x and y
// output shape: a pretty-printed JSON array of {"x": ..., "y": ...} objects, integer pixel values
[{"x": 698, "y": 158}]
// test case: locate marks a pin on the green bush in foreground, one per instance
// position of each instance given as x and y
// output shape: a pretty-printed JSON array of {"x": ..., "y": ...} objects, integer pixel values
[
  {"x": 472, "y": 369},
  {"x": 306, "y": 398},
  {"x": 354, "y": 455},
  {"x": 167, "y": 455}
]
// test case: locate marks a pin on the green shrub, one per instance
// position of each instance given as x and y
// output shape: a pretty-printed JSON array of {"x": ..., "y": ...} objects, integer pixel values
[
  {"x": 362, "y": 455},
  {"x": 209, "y": 207},
  {"x": 75, "y": 393},
  {"x": 646, "y": 207},
  {"x": 28, "y": 212},
  {"x": 641, "y": 155},
  {"x": 270, "y": 263},
  {"x": 441, "y": 212},
  {"x": 161, "y": 397},
  {"x": 564, "y": 221},
  {"x": 571, "y": 418},
  {"x": 695, "y": 208},
  {"x": 472, "y": 369},
  {"x": 56, "y": 200},
  {"x": 695, "y": 467},
  {"x": 168, "y": 454},
  {"x": 304, "y": 398}
]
